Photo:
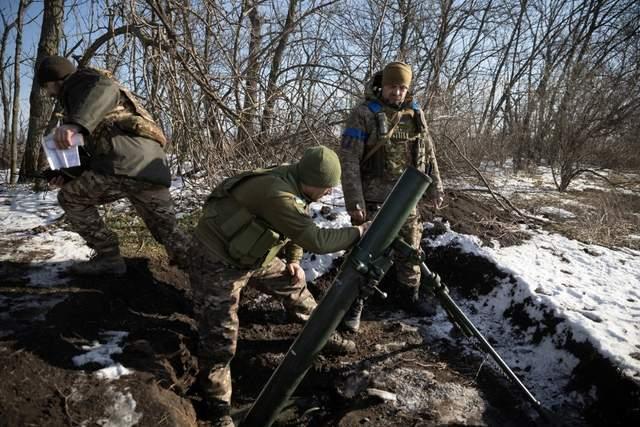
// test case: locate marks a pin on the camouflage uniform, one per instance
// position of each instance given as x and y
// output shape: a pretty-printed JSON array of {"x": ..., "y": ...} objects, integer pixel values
[
  {"x": 126, "y": 160},
  {"x": 80, "y": 197},
  {"x": 216, "y": 290},
  {"x": 380, "y": 141},
  {"x": 275, "y": 202}
]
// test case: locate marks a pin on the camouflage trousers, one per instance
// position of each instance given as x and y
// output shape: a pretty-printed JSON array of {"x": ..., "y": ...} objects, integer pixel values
[
  {"x": 216, "y": 293},
  {"x": 407, "y": 271},
  {"x": 80, "y": 197}
]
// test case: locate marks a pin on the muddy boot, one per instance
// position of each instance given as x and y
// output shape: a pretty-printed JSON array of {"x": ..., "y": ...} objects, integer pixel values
[
  {"x": 297, "y": 317},
  {"x": 410, "y": 301},
  {"x": 224, "y": 421},
  {"x": 100, "y": 264},
  {"x": 338, "y": 344},
  {"x": 419, "y": 307},
  {"x": 217, "y": 413},
  {"x": 351, "y": 320}
]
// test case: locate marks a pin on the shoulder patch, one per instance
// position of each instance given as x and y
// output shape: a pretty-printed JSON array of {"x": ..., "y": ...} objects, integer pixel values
[
  {"x": 300, "y": 205},
  {"x": 374, "y": 106}
]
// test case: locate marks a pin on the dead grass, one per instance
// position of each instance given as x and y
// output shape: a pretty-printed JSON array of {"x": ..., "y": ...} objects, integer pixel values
[
  {"x": 135, "y": 238},
  {"x": 611, "y": 222},
  {"x": 603, "y": 218}
]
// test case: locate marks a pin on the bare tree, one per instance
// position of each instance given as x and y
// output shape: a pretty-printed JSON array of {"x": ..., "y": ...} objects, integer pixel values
[
  {"x": 248, "y": 122},
  {"x": 238, "y": 85},
  {"x": 276, "y": 62},
  {"x": 40, "y": 106},
  {"x": 4, "y": 90},
  {"x": 13, "y": 162}
]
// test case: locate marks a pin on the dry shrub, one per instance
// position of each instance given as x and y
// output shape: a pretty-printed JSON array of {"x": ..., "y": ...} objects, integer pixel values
[
  {"x": 619, "y": 156},
  {"x": 614, "y": 217}
]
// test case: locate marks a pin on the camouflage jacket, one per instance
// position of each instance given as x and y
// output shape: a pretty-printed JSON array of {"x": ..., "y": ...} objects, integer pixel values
[
  {"x": 378, "y": 142},
  {"x": 272, "y": 197},
  {"x": 111, "y": 124}
]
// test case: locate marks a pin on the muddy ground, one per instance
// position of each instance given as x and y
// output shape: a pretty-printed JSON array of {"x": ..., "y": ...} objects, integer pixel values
[{"x": 419, "y": 382}]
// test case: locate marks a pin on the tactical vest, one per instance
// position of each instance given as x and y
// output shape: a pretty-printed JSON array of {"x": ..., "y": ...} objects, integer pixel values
[
  {"x": 129, "y": 116},
  {"x": 249, "y": 241},
  {"x": 398, "y": 137}
]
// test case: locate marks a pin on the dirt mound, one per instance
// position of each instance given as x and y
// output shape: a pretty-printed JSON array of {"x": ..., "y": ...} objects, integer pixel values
[
  {"x": 159, "y": 329},
  {"x": 397, "y": 377},
  {"x": 478, "y": 215},
  {"x": 611, "y": 397},
  {"x": 393, "y": 379},
  {"x": 36, "y": 392}
]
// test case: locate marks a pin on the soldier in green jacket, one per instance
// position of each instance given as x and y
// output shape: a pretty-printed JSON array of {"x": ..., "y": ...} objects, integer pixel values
[
  {"x": 384, "y": 135},
  {"x": 247, "y": 221},
  {"x": 126, "y": 160}
]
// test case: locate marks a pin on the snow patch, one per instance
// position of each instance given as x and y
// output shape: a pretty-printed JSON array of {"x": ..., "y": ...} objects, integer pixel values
[
  {"x": 100, "y": 353},
  {"x": 122, "y": 413},
  {"x": 315, "y": 265},
  {"x": 556, "y": 212}
]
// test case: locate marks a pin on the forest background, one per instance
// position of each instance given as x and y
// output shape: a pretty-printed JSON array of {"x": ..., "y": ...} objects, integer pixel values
[{"x": 238, "y": 84}]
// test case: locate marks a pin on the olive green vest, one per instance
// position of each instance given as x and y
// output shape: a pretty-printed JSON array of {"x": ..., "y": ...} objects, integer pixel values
[
  {"x": 129, "y": 116},
  {"x": 234, "y": 234},
  {"x": 118, "y": 148}
]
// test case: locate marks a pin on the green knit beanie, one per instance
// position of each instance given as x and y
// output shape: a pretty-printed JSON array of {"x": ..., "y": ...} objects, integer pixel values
[
  {"x": 319, "y": 167},
  {"x": 53, "y": 68}
]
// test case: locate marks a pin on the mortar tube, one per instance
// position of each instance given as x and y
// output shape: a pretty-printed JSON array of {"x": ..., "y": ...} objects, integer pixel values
[{"x": 324, "y": 320}]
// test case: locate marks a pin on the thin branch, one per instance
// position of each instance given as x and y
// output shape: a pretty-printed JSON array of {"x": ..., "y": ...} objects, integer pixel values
[{"x": 493, "y": 193}]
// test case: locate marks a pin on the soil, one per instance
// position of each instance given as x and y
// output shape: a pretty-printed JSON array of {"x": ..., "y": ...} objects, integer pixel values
[{"x": 427, "y": 383}]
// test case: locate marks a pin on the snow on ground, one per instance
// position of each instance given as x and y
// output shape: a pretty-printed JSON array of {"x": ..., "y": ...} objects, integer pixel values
[
  {"x": 504, "y": 180},
  {"x": 22, "y": 211},
  {"x": 335, "y": 217},
  {"x": 592, "y": 288},
  {"x": 123, "y": 411},
  {"x": 100, "y": 353},
  {"x": 554, "y": 212},
  {"x": 49, "y": 251}
]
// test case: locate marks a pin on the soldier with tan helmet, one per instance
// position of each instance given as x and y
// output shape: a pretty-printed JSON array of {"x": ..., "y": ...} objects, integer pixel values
[
  {"x": 126, "y": 160},
  {"x": 384, "y": 135},
  {"x": 247, "y": 224}
]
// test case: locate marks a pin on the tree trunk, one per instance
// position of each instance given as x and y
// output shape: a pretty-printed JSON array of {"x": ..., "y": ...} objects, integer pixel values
[
  {"x": 16, "y": 95},
  {"x": 438, "y": 57},
  {"x": 271, "y": 94},
  {"x": 41, "y": 106},
  {"x": 407, "y": 13},
  {"x": 248, "y": 123},
  {"x": 4, "y": 92}
]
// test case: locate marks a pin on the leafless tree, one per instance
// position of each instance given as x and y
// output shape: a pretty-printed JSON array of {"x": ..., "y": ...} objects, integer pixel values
[
  {"x": 4, "y": 89},
  {"x": 13, "y": 162},
  {"x": 242, "y": 84},
  {"x": 40, "y": 106}
]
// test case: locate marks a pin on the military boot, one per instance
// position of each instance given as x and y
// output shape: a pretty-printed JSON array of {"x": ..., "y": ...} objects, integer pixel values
[
  {"x": 351, "y": 320},
  {"x": 100, "y": 264},
  {"x": 419, "y": 307},
  {"x": 217, "y": 413},
  {"x": 410, "y": 301},
  {"x": 338, "y": 344},
  {"x": 224, "y": 421}
]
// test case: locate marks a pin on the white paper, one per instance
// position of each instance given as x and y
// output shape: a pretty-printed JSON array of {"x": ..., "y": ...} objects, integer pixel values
[{"x": 62, "y": 158}]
